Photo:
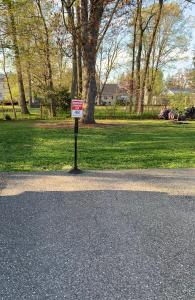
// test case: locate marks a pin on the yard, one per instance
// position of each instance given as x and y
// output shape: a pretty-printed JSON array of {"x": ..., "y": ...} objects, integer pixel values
[
  {"x": 101, "y": 112},
  {"x": 48, "y": 145}
]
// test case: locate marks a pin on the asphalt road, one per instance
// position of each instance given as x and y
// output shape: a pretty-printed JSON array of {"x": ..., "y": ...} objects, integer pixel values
[{"x": 103, "y": 235}]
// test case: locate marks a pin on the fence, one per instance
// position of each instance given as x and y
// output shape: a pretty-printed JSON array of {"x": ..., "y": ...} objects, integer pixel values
[
  {"x": 126, "y": 112},
  {"x": 101, "y": 112}
]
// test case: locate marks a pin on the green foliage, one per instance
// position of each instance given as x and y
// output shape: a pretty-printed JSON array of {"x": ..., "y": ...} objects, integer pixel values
[
  {"x": 14, "y": 89},
  {"x": 63, "y": 99},
  {"x": 179, "y": 101},
  {"x": 158, "y": 83}
]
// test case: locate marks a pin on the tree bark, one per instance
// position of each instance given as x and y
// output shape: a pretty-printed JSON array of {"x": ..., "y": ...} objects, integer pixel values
[
  {"x": 91, "y": 90},
  {"x": 79, "y": 51},
  {"x": 23, "y": 104},
  {"x": 74, "y": 85},
  {"x": 30, "y": 97},
  {"x": 138, "y": 58},
  {"x": 133, "y": 60},
  {"x": 48, "y": 63},
  {"x": 90, "y": 31},
  {"x": 141, "y": 101},
  {"x": 7, "y": 80},
  {"x": 89, "y": 14},
  {"x": 70, "y": 26}
]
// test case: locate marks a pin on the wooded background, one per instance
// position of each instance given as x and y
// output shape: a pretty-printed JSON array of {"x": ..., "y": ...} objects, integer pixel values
[{"x": 57, "y": 50}]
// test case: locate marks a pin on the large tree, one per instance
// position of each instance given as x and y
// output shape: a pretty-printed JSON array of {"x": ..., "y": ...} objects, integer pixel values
[
  {"x": 91, "y": 16},
  {"x": 10, "y": 8},
  {"x": 83, "y": 21},
  {"x": 47, "y": 43}
]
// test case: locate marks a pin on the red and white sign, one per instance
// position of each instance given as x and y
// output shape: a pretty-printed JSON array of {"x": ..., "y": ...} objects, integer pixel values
[{"x": 76, "y": 108}]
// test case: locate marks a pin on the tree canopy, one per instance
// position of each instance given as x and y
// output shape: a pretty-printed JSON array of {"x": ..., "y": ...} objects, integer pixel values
[{"x": 76, "y": 44}]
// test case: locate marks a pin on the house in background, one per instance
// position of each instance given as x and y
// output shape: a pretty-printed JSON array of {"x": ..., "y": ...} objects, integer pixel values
[
  {"x": 112, "y": 93},
  {"x": 167, "y": 93}
]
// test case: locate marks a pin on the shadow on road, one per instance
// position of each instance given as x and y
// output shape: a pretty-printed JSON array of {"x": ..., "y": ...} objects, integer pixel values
[{"x": 97, "y": 245}]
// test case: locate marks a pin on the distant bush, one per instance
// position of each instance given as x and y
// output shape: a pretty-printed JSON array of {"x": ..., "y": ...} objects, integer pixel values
[
  {"x": 63, "y": 99},
  {"x": 8, "y": 102},
  {"x": 7, "y": 117}
]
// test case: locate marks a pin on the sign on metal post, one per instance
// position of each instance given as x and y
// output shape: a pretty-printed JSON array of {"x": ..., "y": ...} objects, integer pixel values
[
  {"x": 76, "y": 108},
  {"x": 76, "y": 113}
]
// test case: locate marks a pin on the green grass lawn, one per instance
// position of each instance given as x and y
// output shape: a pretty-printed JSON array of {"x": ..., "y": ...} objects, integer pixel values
[
  {"x": 101, "y": 113},
  {"x": 134, "y": 144}
]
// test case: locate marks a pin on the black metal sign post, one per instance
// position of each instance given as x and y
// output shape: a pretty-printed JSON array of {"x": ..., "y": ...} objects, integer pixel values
[
  {"x": 75, "y": 169},
  {"x": 76, "y": 113}
]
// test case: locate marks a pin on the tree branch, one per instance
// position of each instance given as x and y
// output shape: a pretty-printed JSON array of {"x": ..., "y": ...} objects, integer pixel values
[{"x": 108, "y": 24}]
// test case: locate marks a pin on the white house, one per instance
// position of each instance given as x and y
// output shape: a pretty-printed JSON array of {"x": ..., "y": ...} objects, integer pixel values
[{"x": 113, "y": 93}]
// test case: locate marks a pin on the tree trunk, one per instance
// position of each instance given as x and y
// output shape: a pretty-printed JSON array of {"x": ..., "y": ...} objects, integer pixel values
[
  {"x": 89, "y": 89},
  {"x": 89, "y": 86},
  {"x": 48, "y": 63},
  {"x": 7, "y": 80},
  {"x": 148, "y": 56},
  {"x": 138, "y": 58},
  {"x": 80, "y": 74},
  {"x": 99, "y": 97},
  {"x": 85, "y": 80},
  {"x": 133, "y": 61},
  {"x": 23, "y": 104},
  {"x": 150, "y": 96},
  {"x": 90, "y": 31},
  {"x": 138, "y": 106},
  {"x": 92, "y": 92},
  {"x": 79, "y": 52},
  {"x": 29, "y": 86},
  {"x": 70, "y": 27},
  {"x": 74, "y": 85}
]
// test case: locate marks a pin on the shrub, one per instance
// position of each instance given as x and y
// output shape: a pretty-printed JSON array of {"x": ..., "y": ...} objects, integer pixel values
[
  {"x": 8, "y": 102},
  {"x": 63, "y": 99},
  {"x": 7, "y": 117}
]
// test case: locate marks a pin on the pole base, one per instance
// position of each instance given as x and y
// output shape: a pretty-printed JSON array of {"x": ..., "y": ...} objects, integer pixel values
[{"x": 75, "y": 171}]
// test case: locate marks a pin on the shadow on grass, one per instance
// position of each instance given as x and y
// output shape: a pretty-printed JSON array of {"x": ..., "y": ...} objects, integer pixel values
[{"x": 24, "y": 147}]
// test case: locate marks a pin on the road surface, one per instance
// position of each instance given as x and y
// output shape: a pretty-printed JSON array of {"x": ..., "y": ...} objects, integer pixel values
[{"x": 101, "y": 235}]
